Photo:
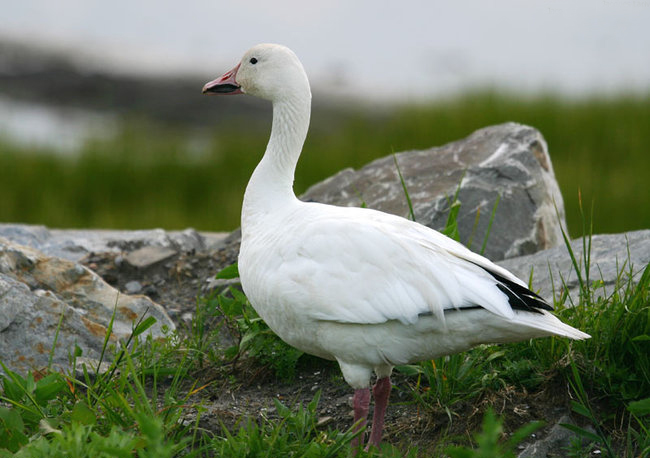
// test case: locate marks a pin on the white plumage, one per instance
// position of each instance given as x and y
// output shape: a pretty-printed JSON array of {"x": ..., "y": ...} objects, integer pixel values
[{"x": 365, "y": 288}]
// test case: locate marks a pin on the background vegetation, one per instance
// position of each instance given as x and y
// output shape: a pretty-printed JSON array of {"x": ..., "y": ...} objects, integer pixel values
[
  {"x": 145, "y": 404},
  {"x": 171, "y": 175},
  {"x": 150, "y": 402}
]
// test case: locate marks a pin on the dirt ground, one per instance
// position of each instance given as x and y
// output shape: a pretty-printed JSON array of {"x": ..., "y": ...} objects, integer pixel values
[{"x": 248, "y": 391}]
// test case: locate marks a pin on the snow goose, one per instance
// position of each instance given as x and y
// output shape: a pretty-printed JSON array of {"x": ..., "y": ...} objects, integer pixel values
[{"x": 365, "y": 288}]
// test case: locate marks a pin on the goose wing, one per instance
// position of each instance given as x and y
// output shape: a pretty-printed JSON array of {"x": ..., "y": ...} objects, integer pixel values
[{"x": 361, "y": 266}]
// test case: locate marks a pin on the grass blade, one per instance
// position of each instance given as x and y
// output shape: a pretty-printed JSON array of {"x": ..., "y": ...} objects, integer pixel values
[
  {"x": 406, "y": 193},
  {"x": 489, "y": 228}
]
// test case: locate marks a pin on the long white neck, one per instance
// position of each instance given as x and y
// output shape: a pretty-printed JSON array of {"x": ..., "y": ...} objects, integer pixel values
[{"x": 271, "y": 186}]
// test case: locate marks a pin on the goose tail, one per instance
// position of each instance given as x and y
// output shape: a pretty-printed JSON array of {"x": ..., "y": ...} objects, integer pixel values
[{"x": 550, "y": 324}]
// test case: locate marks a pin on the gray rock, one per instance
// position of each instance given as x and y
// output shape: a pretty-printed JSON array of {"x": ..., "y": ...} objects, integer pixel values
[
  {"x": 555, "y": 444},
  {"x": 92, "y": 366},
  {"x": 508, "y": 160},
  {"x": 36, "y": 291},
  {"x": 133, "y": 287},
  {"x": 611, "y": 254},
  {"x": 212, "y": 285},
  {"x": 75, "y": 244},
  {"x": 148, "y": 256}
]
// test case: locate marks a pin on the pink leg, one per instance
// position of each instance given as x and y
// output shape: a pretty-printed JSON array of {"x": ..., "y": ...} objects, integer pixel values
[
  {"x": 361, "y": 403},
  {"x": 381, "y": 392}
]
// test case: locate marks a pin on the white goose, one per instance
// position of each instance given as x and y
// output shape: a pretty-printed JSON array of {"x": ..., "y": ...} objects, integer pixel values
[{"x": 365, "y": 288}]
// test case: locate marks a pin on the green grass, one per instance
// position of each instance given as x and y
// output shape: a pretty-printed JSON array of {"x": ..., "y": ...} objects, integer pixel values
[
  {"x": 149, "y": 177},
  {"x": 141, "y": 405}
]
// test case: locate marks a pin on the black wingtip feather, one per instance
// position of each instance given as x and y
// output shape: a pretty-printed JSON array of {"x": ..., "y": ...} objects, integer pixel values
[{"x": 520, "y": 297}]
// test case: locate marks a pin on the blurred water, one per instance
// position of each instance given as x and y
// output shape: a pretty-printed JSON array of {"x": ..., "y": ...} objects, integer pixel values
[
  {"x": 63, "y": 130},
  {"x": 372, "y": 50}
]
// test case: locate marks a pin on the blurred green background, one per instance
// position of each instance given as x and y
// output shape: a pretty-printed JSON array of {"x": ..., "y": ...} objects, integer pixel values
[
  {"x": 163, "y": 173},
  {"x": 103, "y": 124}
]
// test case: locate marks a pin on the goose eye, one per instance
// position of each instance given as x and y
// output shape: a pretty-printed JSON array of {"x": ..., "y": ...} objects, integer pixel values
[{"x": 253, "y": 60}]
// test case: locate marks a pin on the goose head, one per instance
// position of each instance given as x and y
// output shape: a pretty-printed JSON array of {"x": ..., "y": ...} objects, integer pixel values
[{"x": 269, "y": 71}]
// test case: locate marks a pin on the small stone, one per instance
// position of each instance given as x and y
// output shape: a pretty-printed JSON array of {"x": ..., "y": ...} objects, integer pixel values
[
  {"x": 213, "y": 284},
  {"x": 323, "y": 421},
  {"x": 173, "y": 312},
  {"x": 148, "y": 256},
  {"x": 133, "y": 287}
]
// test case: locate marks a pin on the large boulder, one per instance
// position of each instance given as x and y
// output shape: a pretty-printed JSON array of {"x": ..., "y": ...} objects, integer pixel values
[
  {"x": 553, "y": 271},
  {"x": 75, "y": 244},
  {"x": 39, "y": 291},
  {"x": 509, "y": 161}
]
